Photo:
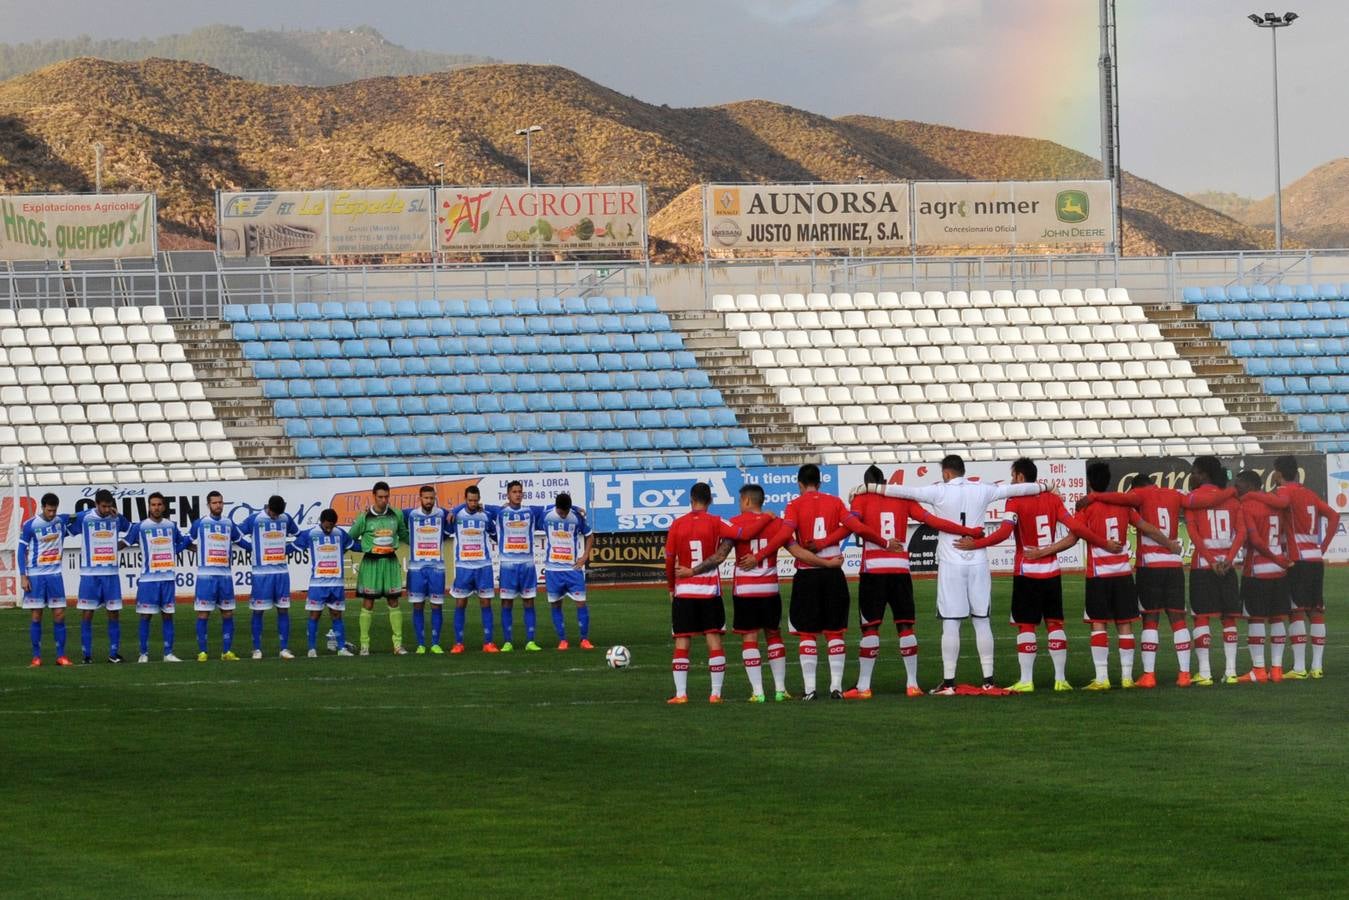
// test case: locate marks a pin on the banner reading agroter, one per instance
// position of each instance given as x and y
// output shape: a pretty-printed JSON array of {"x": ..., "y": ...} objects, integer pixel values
[
  {"x": 989, "y": 213},
  {"x": 580, "y": 218},
  {"x": 805, "y": 216},
  {"x": 304, "y": 223},
  {"x": 305, "y": 499},
  {"x": 77, "y": 226}
]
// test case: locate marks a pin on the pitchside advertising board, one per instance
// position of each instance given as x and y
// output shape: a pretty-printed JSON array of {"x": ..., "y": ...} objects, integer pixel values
[
  {"x": 806, "y": 216},
  {"x": 77, "y": 226},
  {"x": 305, "y": 499},
  {"x": 1337, "y": 494},
  {"x": 988, "y": 213},
  {"x": 566, "y": 218},
  {"x": 314, "y": 223}
]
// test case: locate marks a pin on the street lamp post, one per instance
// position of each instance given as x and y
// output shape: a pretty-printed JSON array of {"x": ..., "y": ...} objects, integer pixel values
[
  {"x": 98, "y": 167},
  {"x": 440, "y": 168},
  {"x": 528, "y": 133},
  {"x": 1274, "y": 23}
]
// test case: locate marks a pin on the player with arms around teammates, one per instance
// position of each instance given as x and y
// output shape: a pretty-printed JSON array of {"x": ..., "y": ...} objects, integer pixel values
[
  {"x": 39, "y": 552},
  {"x": 267, "y": 535},
  {"x": 568, "y": 543},
  {"x": 101, "y": 530},
  {"x": 1218, "y": 530},
  {"x": 160, "y": 543},
  {"x": 327, "y": 546},
  {"x": 515, "y": 527},
  {"x": 214, "y": 537},
  {"x": 428, "y": 526},
  {"x": 473, "y": 528},
  {"x": 1315, "y": 524},
  {"x": 378, "y": 530}
]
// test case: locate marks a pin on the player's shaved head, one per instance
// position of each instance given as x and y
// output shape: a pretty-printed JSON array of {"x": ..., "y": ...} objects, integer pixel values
[
  {"x": 953, "y": 464},
  {"x": 1026, "y": 469},
  {"x": 808, "y": 475},
  {"x": 700, "y": 495},
  {"x": 1247, "y": 480},
  {"x": 873, "y": 475},
  {"x": 1210, "y": 471},
  {"x": 1098, "y": 476},
  {"x": 1286, "y": 467},
  {"x": 751, "y": 495}
]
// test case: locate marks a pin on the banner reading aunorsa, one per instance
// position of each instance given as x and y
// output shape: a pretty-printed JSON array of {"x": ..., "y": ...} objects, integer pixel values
[
  {"x": 77, "y": 226},
  {"x": 990, "y": 213},
  {"x": 321, "y": 223},
  {"x": 583, "y": 218},
  {"x": 806, "y": 216}
]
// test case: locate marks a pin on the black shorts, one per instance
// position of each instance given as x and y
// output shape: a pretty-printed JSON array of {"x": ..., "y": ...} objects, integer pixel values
[
  {"x": 1111, "y": 600},
  {"x": 1212, "y": 594},
  {"x": 1036, "y": 599},
  {"x": 1306, "y": 583},
  {"x": 819, "y": 601},
  {"x": 753, "y": 614},
  {"x": 875, "y": 592},
  {"x": 690, "y": 618},
  {"x": 1161, "y": 589},
  {"x": 1264, "y": 598}
]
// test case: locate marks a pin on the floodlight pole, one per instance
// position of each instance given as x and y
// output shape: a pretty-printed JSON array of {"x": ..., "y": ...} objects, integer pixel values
[
  {"x": 1274, "y": 23},
  {"x": 98, "y": 167},
  {"x": 528, "y": 133}
]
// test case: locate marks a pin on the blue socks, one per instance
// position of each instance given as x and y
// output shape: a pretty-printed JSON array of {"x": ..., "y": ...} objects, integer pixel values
[
  {"x": 35, "y": 635},
  {"x": 340, "y": 627},
  {"x": 583, "y": 620},
  {"x": 144, "y": 633},
  {"x": 59, "y": 632},
  {"x": 168, "y": 635},
  {"x": 312, "y": 632},
  {"x": 114, "y": 636},
  {"x": 488, "y": 625},
  {"x": 202, "y": 630},
  {"x": 459, "y": 624},
  {"x": 507, "y": 624},
  {"x": 437, "y": 622},
  {"x": 419, "y": 623},
  {"x": 530, "y": 619},
  {"x": 87, "y": 637},
  {"x": 226, "y": 634},
  {"x": 283, "y": 627},
  {"x": 257, "y": 631},
  {"x": 559, "y": 624}
]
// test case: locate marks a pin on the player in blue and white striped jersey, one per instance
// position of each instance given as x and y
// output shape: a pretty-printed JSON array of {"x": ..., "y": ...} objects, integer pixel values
[
  {"x": 214, "y": 537},
  {"x": 428, "y": 526},
  {"x": 472, "y": 527},
  {"x": 515, "y": 527},
  {"x": 40, "y": 541},
  {"x": 567, "y": 546},
  {"x": 101, "y": 530},
  {"x": 327, "y": 546},
  {"x": 160, "y": 543},
  {"x": 266, "y": 535}
]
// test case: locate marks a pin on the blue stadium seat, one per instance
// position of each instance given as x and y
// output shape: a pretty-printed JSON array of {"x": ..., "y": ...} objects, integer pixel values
[
  {"x": 416, "y": 328},
  {"x": 722, "y": 417},
  {"x": 1238, "y": 293},
  {"x": 315, "y": 369},
  {"x": 1261, "y": 292},
  {"x": 259, "y": 312},
  {"x": 478, "y": 307},
  {"x": 333, "y": 406},
  {"x": 245, "y": 331},
  {"x": 308, "y": 449},
  {"x": 303, "y": 349},
  {"x": 490, "y": 327},
  {"x": 1305, "y": 292},
  {"x": 455, "y": 308},
  {"x": 1209, "y": 312},
  {"x": 361, "y": 367},
  {"x": 1315, "y": 403},
  {"x": 685, "y": 360},
  {"x": 358, "y": 310},
  {"x": 1215, "y": 294},
  {"x": 1193, "y": 295},
  {"x": 598, "y": 305},
  {"x": 387, "y": 406},
  {"x": 658, "y": 321},
  {"x": 739, "y": 437},
  {"x": 322, "y": 428},
  {"x": 274, "y": 390},
  {"x": 696, "y": 378},
  {"x": 284, "y": 312},
  {"x": 357, "y": 447},
  {"x": 623, "y": 305},
  {"x": 526, "y": 306},
  {"x": 574, "y": 306},
  {"x": 234, "y": 312},
  {"x": 269, "y": 331},
  {"x": 409, "y": 446},
  {"x": 348, "y": 427},
  {"x": 389, "y": 328},
  {"x": 377, "y": 347},
  {"x": 327, "y": 349},
  {"x": 647, "y": 304},
  {"x": 688, "y": 439},
  {"x": 417, "y": 365},
  {"x": 676, "y": 418},
  {"x": 1284, "y": 292},
  {"x": 381, "y": 309},
  {"x": 1286, "y": 329},
  {"x": 1225, "y": 331},
  {"x": 263, "y": 369},
  {"x": 1243, "y": 330},
  {"x": 550, "y": 306},
  {"x": 343, "y": 330},
  {"x": 296, "y": 428},
  {"x": 562, "y": 325},
  {"x": 388, "y": 367}
]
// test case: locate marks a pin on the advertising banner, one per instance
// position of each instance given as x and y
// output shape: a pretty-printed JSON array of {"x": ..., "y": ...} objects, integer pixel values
[
  {"x": 322, "y": 223},
  {"x": 626, "y": 557},
  {"x": 806, "y": 216},
  {"x": 77, "y": 226},
  {"x": 578, "y": 219},
  {"x": 991, "y": 213},
  {"x": 1337, "y": 495},
  {"x": 305, "y": 500}
]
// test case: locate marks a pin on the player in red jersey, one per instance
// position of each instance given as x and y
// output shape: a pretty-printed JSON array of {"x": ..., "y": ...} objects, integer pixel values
[
  {"x": 756, "y": 598},
  {"x": 1159, "y": 574},
  {"x": 1037, "y": 584},
  {"x": 1264, "y": 593},
  {"x": 1315, "y": 524},
  {"x": 1216, "y": 527},
  {"x": 885, "y": 581},
  {"x": 819, "y": 596},
  {"x": 695, "y": 601}
]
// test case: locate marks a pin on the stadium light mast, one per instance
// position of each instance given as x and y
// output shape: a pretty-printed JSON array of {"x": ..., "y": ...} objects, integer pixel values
[
  {"x": 440, "y": 169},
  {"x": 1109, "y": 66},
  {"x": 98, "y": 167},
  {"x": 528, "y": 133},
  {"x": 1274, "y": 22}
]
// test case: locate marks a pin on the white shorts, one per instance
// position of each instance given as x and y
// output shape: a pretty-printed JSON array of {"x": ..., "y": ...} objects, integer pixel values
[
  {"x": 40, "y": 603},
  {"x": 111, "y": 604},
  {"x": 264, "y": 605},
  {"x": 154, "y": 609},
  {"x": 312, "y": 605},
  {"x": 963, "y": 591},
  {"x": 212, "y": 605}
]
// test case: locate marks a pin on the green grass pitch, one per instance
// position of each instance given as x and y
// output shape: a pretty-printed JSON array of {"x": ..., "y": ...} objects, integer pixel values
[{"x": 547, "y": 774}]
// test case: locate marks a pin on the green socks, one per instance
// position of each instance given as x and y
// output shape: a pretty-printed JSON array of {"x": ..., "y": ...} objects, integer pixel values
[
  {"x": 366, "y": 616},
  {"x": 396, "y": 624}
]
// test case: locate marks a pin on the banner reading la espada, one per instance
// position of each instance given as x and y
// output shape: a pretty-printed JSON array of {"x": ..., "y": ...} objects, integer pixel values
[
  {"x": 806, "y": 216},
  {"x": 569, "y": 218},
  {"x": 77, "y": 226},
  {"x": 988, "y": 213},
  {"x": 321, "y": 223}
]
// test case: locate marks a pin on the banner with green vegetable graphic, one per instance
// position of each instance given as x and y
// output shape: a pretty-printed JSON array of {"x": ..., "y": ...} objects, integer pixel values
[
  {"x": 577, "y": 219},
  {"x": 77, "y": 226}
]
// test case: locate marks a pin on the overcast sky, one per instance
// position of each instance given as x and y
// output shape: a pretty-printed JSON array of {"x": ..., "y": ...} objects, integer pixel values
[{"x": 1194, "y": 74}]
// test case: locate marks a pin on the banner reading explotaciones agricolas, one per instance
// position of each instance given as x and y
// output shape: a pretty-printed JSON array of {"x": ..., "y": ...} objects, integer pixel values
[
  {"x": 582, "y": 218},
  {"x": 77, "y": 226}
]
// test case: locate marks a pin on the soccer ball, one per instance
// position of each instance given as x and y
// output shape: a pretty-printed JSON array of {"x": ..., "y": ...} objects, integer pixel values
[{"x": 618, "y": 657}]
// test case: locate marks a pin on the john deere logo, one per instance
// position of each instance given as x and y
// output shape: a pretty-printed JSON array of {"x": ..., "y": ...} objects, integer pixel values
[
  {"x": 726, "y": 202},
  {"x": 1072, "y": 206}
]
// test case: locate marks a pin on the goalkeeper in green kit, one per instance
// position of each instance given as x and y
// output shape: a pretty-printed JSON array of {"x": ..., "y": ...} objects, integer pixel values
[{"x": 378, "y": 531}]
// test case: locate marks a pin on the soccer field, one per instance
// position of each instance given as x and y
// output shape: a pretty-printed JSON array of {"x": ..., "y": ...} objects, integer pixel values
[{"x": 547, "y": 774}]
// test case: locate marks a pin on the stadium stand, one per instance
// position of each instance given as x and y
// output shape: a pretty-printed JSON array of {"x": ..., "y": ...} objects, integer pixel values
[
  {"x": 1295, "y": 340},
  {"x": 468, "y": 385},
  {"x": 103, "y": 394},
  {"x": 895, "y": 377}
]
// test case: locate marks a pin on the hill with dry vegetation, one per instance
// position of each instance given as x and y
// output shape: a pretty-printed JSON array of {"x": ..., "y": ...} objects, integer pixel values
[
  {"x": 1315, "y": 207},
  {"x": 186, "y": 130}
]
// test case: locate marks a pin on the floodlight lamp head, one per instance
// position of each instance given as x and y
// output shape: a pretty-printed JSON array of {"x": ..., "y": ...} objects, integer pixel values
[
  {"x": 1288, "y": 18},
  {"x": 1271, "y": 17},
  {"x": 1256, "y": 18}
]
